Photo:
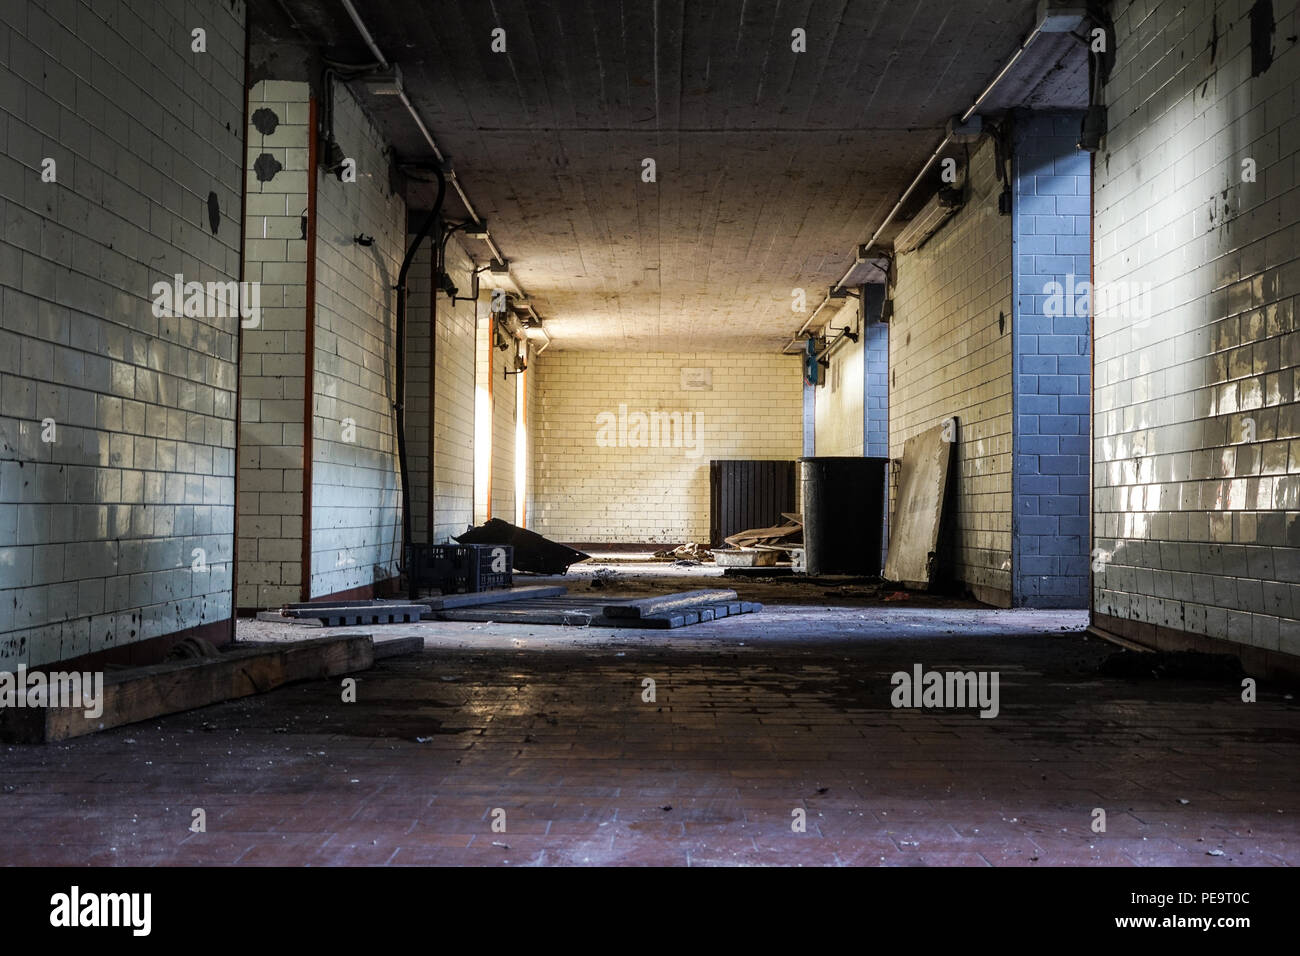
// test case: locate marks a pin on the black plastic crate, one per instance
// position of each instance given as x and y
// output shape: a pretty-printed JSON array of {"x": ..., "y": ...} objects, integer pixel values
[{"x": 463, "y": 568}]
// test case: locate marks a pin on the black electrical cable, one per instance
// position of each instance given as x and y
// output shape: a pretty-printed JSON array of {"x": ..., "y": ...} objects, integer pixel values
[{"x": 399, "y": 406}]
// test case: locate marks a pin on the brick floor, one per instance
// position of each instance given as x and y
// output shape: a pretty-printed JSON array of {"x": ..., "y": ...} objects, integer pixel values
[{"x": 754, "y": 718}]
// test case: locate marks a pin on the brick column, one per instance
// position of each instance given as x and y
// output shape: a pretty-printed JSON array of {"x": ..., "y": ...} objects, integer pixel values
[{"x": 1052, "y": 356}]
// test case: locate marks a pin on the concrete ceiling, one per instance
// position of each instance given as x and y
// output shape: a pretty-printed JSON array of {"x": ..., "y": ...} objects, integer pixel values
[{"x": 771, "y": 165}]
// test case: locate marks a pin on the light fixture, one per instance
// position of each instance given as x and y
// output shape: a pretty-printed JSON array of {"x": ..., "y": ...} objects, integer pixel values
[
  {"x": 382, "y": 82},
  {"x": 923, "y": 225}
]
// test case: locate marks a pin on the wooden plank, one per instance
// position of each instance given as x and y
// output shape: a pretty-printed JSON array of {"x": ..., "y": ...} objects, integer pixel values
[
  {"x": 397, "y": 647},
  {"x": 144, "y": 693},
  {"x": 918, "y": 512},
  {"x": 666, "y": 602}
]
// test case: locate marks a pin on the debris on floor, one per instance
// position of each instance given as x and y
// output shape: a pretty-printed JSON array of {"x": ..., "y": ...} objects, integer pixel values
[
  {"x": 532, "y": 551},
  {"x": 782, "y": 537},
  {"x": 745, "y": 558},
  {"x": 601, "y": 578},
  {"x": 762, "y": 547},
  {"x": 692, "y": 552}
]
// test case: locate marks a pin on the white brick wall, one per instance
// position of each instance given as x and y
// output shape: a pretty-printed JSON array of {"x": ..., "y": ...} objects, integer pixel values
[
  {"x": 503, "y": 434},
  {"x": 356, "y": 525},
  {"x": 948, "y": 357},
  {"x": 453, "y": 467},
  {"x": 453, "y": 492},
  {"x": 531, "y": 404},
  {"x": 621, "y": 493},
  {"x": 838, "y": 415},
  {"x": 272, "y": 364},
  {"x": 98, "y": 527},
  {"x": 1200, "y": 519}
]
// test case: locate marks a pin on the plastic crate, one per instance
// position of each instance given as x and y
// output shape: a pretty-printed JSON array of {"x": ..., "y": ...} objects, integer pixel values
[{"x": 463, "y": 568}]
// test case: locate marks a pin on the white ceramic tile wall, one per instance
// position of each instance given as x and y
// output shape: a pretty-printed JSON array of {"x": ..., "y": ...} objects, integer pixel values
[
  {"x": 272, "y": 365},
  {"x": 950, "y": 355},
  {"x": 453, "y": 463},
  {"x": 503, "y": 434},
  {"x": 1196, "y": 420},
  {"x": 98, "y": 527},
  {"x": 585, "y": 491},
  {"x": 356, "y": 527},
  {"x": 838, "y": 415}
]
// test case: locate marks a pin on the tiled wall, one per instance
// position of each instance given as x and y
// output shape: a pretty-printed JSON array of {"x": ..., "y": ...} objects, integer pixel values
[
  {"x": 1051, "y": 223},
  {"x": 601, "y": 487},
  {"x": 453, "y": 492},
  {"x": 531, "y": 400},
  {"x": 356, "y": 523},
  {"x": 503, "y": 434},
  {"x": 950, "y": 354},
  {"x": 809, "y": 422},
  {"x": 120, "y": 527},
  {"x": 453, "y": 466},
  {"x": 1197, "y": 424},
  {"x": 838, "y": 415},
  {"x": 272, "y": 368},
  {"x": 852, "y": 409},
  {"x": 875, "y": 344}
]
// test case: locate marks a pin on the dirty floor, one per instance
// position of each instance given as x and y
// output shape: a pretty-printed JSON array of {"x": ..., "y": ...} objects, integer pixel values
[{"x": 770, "y": 739}]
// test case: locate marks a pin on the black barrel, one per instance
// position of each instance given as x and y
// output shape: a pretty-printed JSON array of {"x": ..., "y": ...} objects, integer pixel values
[{"x": 843, "y": 514}]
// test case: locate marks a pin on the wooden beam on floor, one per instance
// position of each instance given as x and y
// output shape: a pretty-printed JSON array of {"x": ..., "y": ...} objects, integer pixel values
[{"x": 143, "y": 693}]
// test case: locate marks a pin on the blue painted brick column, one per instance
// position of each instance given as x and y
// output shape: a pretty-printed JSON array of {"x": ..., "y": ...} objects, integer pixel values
[
  {"x": 875, "y": 371},
  {"x": 1053, "y": 360},
  {"x": 875, "y": 389}
]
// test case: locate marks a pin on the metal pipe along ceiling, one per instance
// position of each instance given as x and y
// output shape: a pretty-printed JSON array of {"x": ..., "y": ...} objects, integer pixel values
[
  {"x": 943, "y": 144},
  {"x": 385, "y": 63}
]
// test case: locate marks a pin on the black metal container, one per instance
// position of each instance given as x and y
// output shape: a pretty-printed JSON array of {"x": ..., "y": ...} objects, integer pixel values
[{"x": 843, "y": 514}]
